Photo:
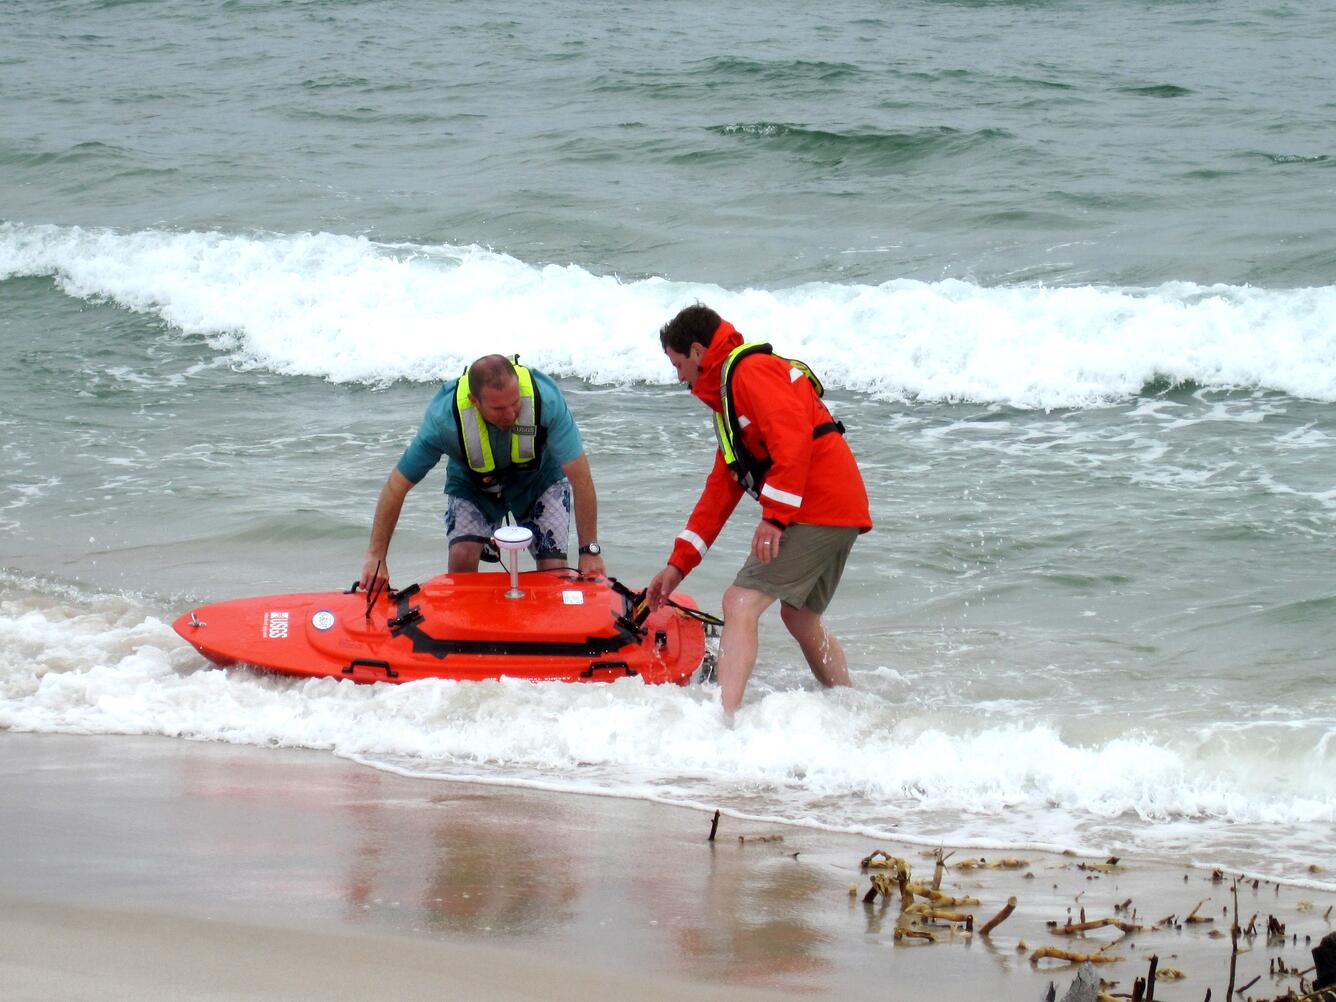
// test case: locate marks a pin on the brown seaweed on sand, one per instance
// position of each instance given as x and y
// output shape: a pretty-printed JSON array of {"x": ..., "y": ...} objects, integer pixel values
[
  {"x": 945, "y": 900},
  {"x": 997, "y": 864},
  {"x": 928, "y": 912},
  {"x": 1071, "y": 956},
  {"x": 1110, "y": 865},
  {"x": 880, "y": 859}
]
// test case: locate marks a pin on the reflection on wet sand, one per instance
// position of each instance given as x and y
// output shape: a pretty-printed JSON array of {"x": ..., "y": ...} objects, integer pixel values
[
  {"x": 525, "y": 868},
  {"x": 386, "y": 853},
  {"x": 495, "y": 878},
  {"x": 750, "y": 929},
  {"x": 459, "y": 868}
]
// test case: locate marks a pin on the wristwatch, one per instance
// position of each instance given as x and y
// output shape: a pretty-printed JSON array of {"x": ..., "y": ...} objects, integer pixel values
[{"x": 593, "y": 549}]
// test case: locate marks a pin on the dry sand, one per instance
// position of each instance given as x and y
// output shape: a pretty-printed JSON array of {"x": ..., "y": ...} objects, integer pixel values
[{"x": 150, "y": 868}]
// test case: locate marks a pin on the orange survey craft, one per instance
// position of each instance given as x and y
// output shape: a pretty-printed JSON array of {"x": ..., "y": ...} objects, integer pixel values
[{"x": 540, "y": 625}]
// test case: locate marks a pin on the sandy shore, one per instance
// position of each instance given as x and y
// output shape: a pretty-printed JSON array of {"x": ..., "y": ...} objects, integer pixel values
[{"x": 148, "y": 868}]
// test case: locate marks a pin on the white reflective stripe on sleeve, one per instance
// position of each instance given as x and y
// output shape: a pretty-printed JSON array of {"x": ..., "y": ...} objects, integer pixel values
[
  {"x": 783, "y": 497},
  {"x": 694, "y": 540},
  {"x": 743, "y": 420},
  {"x": 795, "y": 375}
]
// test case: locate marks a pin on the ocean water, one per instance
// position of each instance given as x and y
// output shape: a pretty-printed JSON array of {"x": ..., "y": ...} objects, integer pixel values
[{"x": 1067, "y": 270}]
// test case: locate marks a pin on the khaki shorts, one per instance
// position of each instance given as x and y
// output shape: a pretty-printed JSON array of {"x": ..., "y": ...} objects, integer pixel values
[{"x": 808, "y": 568}]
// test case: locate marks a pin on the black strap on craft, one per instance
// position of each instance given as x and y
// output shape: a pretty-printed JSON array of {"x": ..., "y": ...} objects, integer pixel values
[
  {"x": 636, "y": 602},
  {"x": 409, "y": 623},
  {"x": 640, "y": 604},
  {"x": 378, "y": 585},
  {"x": 696, "y": 614}
]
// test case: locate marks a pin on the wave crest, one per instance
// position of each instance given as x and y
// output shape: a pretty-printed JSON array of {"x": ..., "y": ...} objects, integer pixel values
[{"x": 350, "y": 309}]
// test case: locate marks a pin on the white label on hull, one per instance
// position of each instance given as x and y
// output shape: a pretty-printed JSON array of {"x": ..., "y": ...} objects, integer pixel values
[
  {"x": 573, "y": 597},
  {"x": 276, "y": 625}
]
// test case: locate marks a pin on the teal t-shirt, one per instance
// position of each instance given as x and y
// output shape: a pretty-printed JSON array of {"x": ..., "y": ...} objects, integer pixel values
[{"x": 438, "y": 436}]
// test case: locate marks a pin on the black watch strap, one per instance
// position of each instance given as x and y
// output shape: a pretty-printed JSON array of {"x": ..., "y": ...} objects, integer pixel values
[{"x": 593, "y": 549}]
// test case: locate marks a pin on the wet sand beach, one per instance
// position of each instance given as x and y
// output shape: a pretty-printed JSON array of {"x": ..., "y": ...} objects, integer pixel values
[{"x": 152, "y": 868}]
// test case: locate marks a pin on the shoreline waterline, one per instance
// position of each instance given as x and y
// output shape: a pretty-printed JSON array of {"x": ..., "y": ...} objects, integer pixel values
[{"x": 293, "y": 841}]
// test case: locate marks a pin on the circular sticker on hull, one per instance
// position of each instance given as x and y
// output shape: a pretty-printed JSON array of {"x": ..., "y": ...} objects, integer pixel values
[{"x": 323, "y": 620}]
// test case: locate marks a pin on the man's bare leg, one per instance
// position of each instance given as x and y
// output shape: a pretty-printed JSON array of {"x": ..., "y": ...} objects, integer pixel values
[
  {"x": 823, "y": 652},
  {"x": 737, "y": 646},
  {"x": 464, "y": 557}
]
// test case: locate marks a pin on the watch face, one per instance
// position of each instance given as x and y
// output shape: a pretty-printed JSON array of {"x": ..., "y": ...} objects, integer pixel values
[{"x": 593, "y": 548}]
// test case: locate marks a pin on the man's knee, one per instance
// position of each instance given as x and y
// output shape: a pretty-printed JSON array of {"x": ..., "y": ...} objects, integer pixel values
[
  {"x": 465, "y": 557},
  {"x": 740, "y": 601},
  {"x": 743, "y": 600}
]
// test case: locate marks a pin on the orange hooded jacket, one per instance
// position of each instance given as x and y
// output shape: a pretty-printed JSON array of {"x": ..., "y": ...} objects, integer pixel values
[{"x": 813, "y": 481}]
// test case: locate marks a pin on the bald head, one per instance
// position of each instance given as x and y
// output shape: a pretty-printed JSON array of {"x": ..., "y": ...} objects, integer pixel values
[{"x": 491, "y": 372}]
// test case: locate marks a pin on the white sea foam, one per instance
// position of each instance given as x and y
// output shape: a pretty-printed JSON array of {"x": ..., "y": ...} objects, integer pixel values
[
  {"x": 78, "y": 664},
  {"x": 349, "y": 309}
]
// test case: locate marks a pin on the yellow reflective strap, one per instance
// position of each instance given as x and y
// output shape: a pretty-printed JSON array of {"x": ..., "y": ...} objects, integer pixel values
[
  {"x": 524, "y": 438},
  {"x": 472, "y": 428},
  {"x": 724, "y": 422},
  {"x": 725, "y": 438}
]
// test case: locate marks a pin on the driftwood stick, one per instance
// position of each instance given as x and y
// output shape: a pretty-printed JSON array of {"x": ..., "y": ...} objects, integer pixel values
[
  {"x": 1071, "y": 928},
  {"x": 881, "y": 884},
  {"x": 1071, "y": 957},
  {"x": 880, "y": 859},
  {"x": 1150, "y": 977},
  {"x": 914, "y": 934},
  {"x": 906, "y": 895},
  {"x": 942, "y": 915},
  {"x": 932, "y": 914},
  {"x": 1194, "y": 917},
  {"x": 947, "y": 900},
  {"x": 1233, "y": 945},
  {"x": 997, "y": 864},
  {"x": 714, "y": 826},
  {"x": 999, "y": 918}
]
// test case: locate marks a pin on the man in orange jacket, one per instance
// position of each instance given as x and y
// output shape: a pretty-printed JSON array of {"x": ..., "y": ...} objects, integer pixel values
[{"x": 778, "y": 442}]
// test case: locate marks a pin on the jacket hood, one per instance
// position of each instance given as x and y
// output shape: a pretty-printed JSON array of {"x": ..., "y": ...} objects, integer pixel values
[{"x": 707, "y": 388}]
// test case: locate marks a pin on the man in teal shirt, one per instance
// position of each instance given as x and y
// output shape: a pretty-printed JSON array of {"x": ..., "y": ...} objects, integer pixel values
[{"x": 513, "y": 447}]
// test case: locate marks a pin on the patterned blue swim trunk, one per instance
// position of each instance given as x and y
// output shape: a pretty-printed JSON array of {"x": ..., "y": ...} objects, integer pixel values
[{"x": 549, "y": 519}]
